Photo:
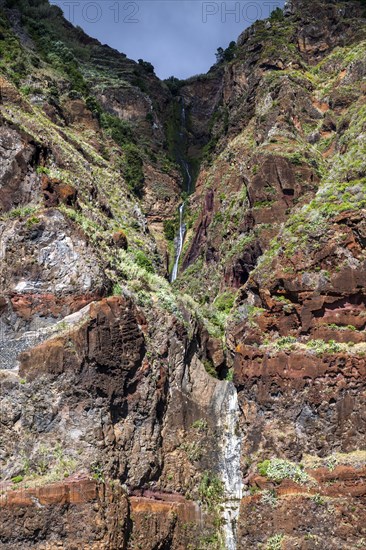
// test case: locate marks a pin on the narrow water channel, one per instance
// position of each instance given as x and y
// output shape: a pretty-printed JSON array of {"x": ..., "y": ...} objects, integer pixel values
[{"x": 179, "y": 240}]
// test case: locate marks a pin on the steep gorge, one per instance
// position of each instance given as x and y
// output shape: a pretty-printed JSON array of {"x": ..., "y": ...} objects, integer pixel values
[{"x": 225, "y": 410}]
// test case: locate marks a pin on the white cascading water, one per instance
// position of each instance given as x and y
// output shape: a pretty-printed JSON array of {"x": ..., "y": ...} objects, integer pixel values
[
  {"x": 182, "y": 228},
  {"x": 180, "y": 242},
  {"x": 230, "y": 463},
  {"x": 189, "y": 177}
]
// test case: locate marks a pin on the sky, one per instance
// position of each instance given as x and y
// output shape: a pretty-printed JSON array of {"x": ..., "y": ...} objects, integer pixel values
[{"x": 179, "y": 37}]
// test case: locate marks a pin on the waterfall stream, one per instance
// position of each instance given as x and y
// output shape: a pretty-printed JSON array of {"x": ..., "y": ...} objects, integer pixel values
[
  {"x": 230, "y": 463},
  {"x": 186, "y": 170},
  {"x": 227, "y": 407},
  {"x": 180, "y": 241}
]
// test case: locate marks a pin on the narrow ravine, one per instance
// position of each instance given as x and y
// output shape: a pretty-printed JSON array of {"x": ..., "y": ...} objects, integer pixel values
[
  {"x": 228, "y": 412},
  {"x": 179, "y": 241},
  {"x": 229, "y": 465}
]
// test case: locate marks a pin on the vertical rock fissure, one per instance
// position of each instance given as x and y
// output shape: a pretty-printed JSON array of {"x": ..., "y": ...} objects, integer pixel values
[
  {"x": 187, "y": 176},
  {"x": 229, "y": 464}
]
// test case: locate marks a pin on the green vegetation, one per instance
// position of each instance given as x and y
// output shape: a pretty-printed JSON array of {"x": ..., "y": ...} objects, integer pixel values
[
  {"x": 43, "y": 170},
  {"x": 227, "y": 54},
  {"x": 33, "y": 220},
  {"x": 225, "y": 302},
  {"x": 269, "y": 498},
  {"x": 174, "y": 84},
  {"x": 340, "y": 327},
  {"x": 46, "y": 464},
  {"x": 278, "y": 469},
  {"x": 296, "y": 158},
  {"x": 200, "y": 425},
  {"x": 275, "y": 542},
  {"x": 320, "y": 347},
  {"x": 117, "y": 290},
  {"x": 277, "y": 15},
  {"x": 97, "y": 471},
  {"x": 290, "y": 343},
  {"x": 318, "y": 499},
  {"x": 209, "y": 542},
  {"x": 230, "y": 375},
  {"x": 13, "y": 62},
  {"x": 143, "y": 261},
  {"x": 170, "y": 229},
  {"x": 132, "y": 168},
  {"x": 175, "y": 145},
  {"x": 211, "y": 491},
  {"x": 192, "y": 450},
  {"x": 17, "y": 479},
  {"x": 22, "y": 212},
  {"x": 119, "y": 130},
  {"x": 262, "y": 204},
  {"x": 209, "y": 368},
  {"x": 286, "y": 343},
  {"x": 148, "y": 67}
]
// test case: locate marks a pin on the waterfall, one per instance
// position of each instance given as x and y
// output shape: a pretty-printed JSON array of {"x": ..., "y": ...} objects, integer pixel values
[
  {"x": 186, "y": 171},
  {"x": 189, "y": 176},
  {"x": 230, "y": 446},
  {"x": 180, "y": 242}
]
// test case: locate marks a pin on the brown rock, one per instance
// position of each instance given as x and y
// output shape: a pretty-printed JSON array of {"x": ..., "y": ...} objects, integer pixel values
[{"x": 120, "y": 239}]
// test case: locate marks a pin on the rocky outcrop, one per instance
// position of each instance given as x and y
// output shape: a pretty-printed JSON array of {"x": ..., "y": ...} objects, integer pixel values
[
  {"x": 329, "y": 400},
  {"x": 299, "y": 517},
  {"x": 172, "y": 521},
  {"x": 20, "y": 156},
  {"x": 122, "y": 411},
  {"x": 201, "y": 96},
  {"x": 75, "y": 512},
  {"x": 48, "y": 272}
]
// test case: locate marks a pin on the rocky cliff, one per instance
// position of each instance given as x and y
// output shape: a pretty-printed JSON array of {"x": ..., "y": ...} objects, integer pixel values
[{"x": 225, "y": 410}]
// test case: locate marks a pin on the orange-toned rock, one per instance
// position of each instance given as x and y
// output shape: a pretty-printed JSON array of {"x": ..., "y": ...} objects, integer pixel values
[
  {"x": 166, "y": 520},
  {"x": 67, "y": 492},
  {"x": 110, "y": 336},
  {"x": 56, "y": 192},
  {"x": 120, "y": 239},
  {"x": 74, "y": 513},
  {"x": 28, "y": 305}
]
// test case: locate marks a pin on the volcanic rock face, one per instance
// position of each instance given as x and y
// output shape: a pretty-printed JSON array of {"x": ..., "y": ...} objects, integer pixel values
[
  {"x": 117, "y": 428},
  {"x": 18, "y": 181},
  {"x": 121, "y": 422}
]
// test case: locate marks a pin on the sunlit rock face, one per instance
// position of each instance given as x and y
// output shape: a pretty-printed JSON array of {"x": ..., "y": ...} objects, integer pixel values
[{"x": 224, "y": 410}]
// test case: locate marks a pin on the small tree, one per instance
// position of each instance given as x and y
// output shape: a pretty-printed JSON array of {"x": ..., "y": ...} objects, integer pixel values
[
  {"x": 230, "y": 51},
  {"x": 132, "y": 169},
  {"x": 277, "y": 15},
  {"x": 226, "y": 55},
  {"x": 174, "y": 84},
  {"x": 148, "y": 67},
  {"x": 220, "y": 55}
]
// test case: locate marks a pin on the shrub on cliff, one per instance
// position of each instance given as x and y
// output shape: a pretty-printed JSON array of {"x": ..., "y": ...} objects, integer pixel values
[
  {"x": 277, "y": 15},
  {"x": 170, "y": 229},
  {"x": 132, "y": 168},
  {"x": 278, "y": 469},
  {"x": 227, "y": 54},
  {"x": 275, "y": 542},
  {"x": 174, "y": 84},
  {"x": 211, "y": 490},
  {"x": 224, "y": 302},
  {"x": 143, "y": 261},
  {"x": 119, "y": 130},
  {"x": 148, "y": 67}
]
